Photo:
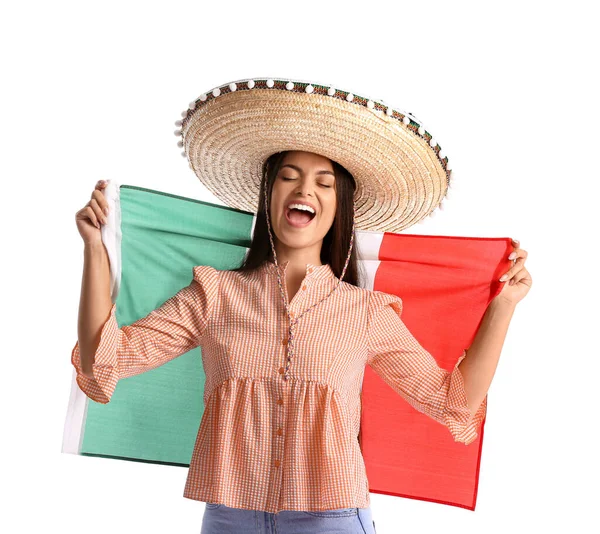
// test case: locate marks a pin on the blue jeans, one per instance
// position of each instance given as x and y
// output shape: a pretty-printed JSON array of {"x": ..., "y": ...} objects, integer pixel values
[{"x": 221, "y": 519}]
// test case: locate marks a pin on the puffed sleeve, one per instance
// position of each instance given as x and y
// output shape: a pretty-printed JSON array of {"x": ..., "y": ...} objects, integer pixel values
[
  {"x": 170, "y": 330},
  {"x": 398, "y": 358}
]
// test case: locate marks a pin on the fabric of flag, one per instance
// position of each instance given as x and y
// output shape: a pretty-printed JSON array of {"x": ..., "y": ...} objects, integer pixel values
[{"x": 153, "y": 239}]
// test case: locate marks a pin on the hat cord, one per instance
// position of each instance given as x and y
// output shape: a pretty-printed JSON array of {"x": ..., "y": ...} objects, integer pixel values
[{"x": 292, "y": 323}]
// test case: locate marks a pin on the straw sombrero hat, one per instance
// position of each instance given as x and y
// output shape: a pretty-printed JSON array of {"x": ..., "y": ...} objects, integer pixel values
[{"x": 228, "y": 132}]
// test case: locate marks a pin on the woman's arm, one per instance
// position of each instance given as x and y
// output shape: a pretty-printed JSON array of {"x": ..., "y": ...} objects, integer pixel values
[
  {"x": 479, "y": 365},
  {"x": 94, "y": 303},
  {"x": 172, "y": 329}
]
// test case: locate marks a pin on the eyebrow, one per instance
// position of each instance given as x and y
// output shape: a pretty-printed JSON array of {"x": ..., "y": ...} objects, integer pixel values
[{"x": 322, "y": 171}]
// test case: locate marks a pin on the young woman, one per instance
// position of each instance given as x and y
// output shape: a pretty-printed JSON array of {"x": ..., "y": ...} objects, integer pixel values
[{"x": 285, "y": 338}]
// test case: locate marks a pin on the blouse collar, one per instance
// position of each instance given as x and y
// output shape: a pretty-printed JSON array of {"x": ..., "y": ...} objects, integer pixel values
[{"x": 313, "y": 272}]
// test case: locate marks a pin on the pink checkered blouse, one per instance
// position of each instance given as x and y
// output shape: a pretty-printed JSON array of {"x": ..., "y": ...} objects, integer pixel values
[{"x": 265, "y": 443}]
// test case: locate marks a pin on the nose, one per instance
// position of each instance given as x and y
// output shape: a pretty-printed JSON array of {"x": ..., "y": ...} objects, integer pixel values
[{"x": 305, "y": 187}]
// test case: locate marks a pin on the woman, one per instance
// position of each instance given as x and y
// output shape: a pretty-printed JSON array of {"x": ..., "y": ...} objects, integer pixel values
[{"x": 284, "y": 339}]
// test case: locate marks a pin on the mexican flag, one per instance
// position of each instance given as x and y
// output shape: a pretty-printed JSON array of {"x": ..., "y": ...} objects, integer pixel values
[{"x": 154, "y": 238}]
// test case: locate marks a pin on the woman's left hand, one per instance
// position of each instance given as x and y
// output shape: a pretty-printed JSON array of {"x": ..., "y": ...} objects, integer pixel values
[{"x": 517, "y": 280}]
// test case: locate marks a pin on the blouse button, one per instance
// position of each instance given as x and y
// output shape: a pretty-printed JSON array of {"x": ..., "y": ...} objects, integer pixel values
[
  {"x": 276, "y": 463},
  {"x": 279, "y": 401},
  {"x": 281, "y": 370},
  {"x": 303, "y": 288},
  {"x": 279, "y": 432},
  {"x": 284, "y": 341}
]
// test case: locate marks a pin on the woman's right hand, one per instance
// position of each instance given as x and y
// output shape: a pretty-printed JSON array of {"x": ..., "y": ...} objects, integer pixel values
[{"x": 90, "y": 218}]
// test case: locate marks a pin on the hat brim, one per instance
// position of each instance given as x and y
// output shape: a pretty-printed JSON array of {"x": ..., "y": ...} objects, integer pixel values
[{"x": 400, "y": 177}]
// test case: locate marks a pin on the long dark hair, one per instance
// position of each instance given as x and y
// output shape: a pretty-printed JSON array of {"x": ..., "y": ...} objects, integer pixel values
[{"x": 335, "y": 243}]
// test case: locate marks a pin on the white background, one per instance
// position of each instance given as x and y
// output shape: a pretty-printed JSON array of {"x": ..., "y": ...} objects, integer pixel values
[{"x": 91, "y": 91}]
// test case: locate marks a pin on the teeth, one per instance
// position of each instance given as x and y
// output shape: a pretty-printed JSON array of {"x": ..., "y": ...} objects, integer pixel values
[{"x": 301, "y": 207}]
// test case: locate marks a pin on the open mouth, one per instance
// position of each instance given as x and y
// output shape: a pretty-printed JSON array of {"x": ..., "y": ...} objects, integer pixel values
[{"x": 299, "y": 218}]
